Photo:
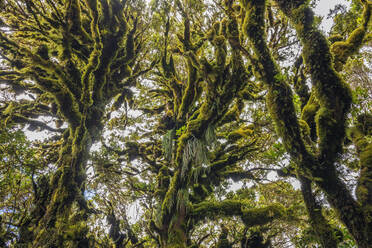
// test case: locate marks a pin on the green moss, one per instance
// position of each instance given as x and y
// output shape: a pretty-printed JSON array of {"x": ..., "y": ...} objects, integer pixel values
[
  {"x": 335, "y": 38},
  {"x": 329, "y": 132},
  {"x": 250, "y": 216},
  {"x": 279, "y": 97},
  {"x": 308, "y": 115},
  {"x": 189, "y": 94},
  {"x": 169, "y": 199},
  {"x": 342, "y": 50},
  {"x": 361, "y": 135},
  {"x": 254, "y": 22},
  {"x": 334, "y": 98},
  {"x": 264, "y": 215},
  {"x": 237, "y": 134},
  {"x": 305, "y": 129}
]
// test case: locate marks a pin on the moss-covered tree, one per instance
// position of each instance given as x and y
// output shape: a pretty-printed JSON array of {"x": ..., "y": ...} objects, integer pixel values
[
  {"x": 175, "y": 108},
  {"x": 333, "y": 99},
  {"x": 72, "y": 58}
]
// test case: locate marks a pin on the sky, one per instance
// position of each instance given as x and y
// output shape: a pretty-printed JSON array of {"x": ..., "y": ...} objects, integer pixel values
[{"x": 323, "y": 8}]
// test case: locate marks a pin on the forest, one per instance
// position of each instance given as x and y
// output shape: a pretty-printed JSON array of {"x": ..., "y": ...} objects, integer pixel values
[{"x": 185, "y": 124}]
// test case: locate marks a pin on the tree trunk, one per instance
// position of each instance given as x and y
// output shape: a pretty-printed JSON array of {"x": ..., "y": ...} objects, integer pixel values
[{"x": 319, "y": 224}]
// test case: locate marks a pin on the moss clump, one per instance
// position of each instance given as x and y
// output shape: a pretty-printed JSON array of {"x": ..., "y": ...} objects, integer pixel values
[
  {"x": 239, "y": 133},
  {"x": 250, "y": 216},
  {"x": 342, "y": 50},
  {"x": 264, "y": 215},
  {"x": 308, "y": 115}
]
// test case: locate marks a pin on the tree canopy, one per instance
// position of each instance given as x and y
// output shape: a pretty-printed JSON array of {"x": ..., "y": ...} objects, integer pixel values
[{"x": 224, "y": 123}]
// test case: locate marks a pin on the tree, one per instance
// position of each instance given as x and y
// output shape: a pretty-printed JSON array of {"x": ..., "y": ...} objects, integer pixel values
[
  {"x": 72, "y": 58},
  {"x": 174, "y": 106}
]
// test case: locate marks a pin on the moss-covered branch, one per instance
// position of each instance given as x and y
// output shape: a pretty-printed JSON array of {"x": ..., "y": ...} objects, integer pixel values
[
  {"x": 333, "y": 94},
  {"x": 279, "y": 98},
  {"x": 334, "y": 99},
  {"x": 342, "y": 50},
  {"x": 249, "y": 216},
  {"x": 74, "y": 21}
]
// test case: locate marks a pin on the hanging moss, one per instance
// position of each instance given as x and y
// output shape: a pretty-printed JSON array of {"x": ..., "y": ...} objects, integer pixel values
[
  {"x": 237, "y": 134},
  {"x": 195, "y": 152},
  {"x": 167, "y": 144},
  {"x": 210, "y": 135},
  {"x": 182, "y": 199}
]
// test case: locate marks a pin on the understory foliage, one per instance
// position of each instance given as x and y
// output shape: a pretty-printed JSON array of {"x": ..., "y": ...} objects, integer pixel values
[{"x": 226, "y": 123}]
